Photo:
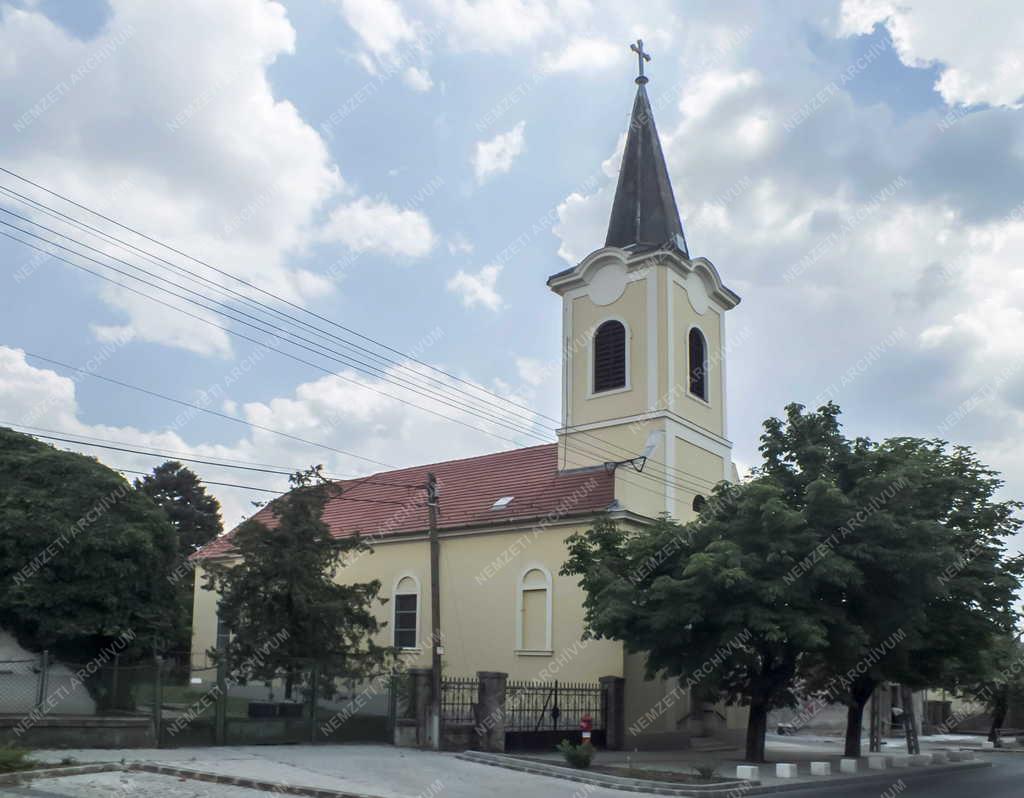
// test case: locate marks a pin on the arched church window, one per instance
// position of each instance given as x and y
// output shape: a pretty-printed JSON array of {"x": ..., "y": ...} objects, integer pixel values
[
  {"x": 610, "y": 356},
  {"x": 698, "y": 503},
  {"x": 698, "y": 364},
  {"x": 407, "y": 606},
  {"x": 533, "y": 605}
]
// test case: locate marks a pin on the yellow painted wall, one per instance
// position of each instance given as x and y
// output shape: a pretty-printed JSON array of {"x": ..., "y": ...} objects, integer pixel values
[
  {"x": 704, "y": 469},
  {"x": 708, "y": 415},
  {"x": 479, "y": 576},
  {"x": 630, "y": 308}
]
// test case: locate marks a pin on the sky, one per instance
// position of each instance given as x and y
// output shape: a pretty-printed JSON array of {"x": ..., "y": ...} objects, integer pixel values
[{"x": 414, "y": 171}]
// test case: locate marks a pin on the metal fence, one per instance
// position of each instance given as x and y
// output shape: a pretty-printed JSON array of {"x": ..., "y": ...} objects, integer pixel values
[
  {"x": 543, "y": 706},
  {"x": 458, "y": 700},
  {"x": 192, "y": 701}
]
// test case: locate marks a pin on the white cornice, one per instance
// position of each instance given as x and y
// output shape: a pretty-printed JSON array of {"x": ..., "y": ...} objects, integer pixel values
[{"x": 579, "y": 276}]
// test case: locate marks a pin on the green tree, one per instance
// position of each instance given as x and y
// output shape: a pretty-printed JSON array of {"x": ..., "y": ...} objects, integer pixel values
[
  {"x": 194, "y": 513},
  {"x": 846, "y": 562},
  {"x": 1002, "y": 684},
  {"x": 709, "y": 601},
  {"x": 82, "y": 555},
  {"x": 195, "y": 517},
  {"x": 919, "y": 522},
  {"x": 279, "y": 598}
]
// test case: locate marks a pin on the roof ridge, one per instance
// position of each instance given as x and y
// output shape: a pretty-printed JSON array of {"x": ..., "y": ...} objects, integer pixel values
[{"x": 443, "y": 463}]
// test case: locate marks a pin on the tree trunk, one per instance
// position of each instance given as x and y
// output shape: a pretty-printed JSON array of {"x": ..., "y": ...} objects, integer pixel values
[
  {"x": 860, "y": 694},
  {"x": 854, "y": 726},
  {"x": 998, "y": 715},
  {"x": 757, "y": 725}
]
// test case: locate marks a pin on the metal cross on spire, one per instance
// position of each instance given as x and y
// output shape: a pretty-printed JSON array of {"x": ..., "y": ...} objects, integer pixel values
[{"x": 641, "y": 56}]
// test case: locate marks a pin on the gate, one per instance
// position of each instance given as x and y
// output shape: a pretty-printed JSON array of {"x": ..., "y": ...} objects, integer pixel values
[{"x": 539, "y": 715}]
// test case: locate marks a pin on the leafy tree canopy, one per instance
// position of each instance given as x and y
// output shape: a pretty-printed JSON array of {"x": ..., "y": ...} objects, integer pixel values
[
  {"x": 194, "y": 513},
  {"x": 279, "y": 598},
  {"x": 838, "y": 564},
  {"x": 82, "y": 555}
]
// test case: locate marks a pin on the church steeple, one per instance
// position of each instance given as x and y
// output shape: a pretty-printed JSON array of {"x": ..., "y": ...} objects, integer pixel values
[{"x": 644, "y": 212}]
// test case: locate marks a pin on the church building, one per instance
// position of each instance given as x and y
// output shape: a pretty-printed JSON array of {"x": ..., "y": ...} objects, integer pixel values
[{"x": 643, "y": 432}]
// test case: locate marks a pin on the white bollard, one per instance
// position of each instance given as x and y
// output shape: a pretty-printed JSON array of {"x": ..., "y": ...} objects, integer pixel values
[
  {"x": 848, "y": 765},
  {"x": 966, "y": 756},
  {"x": 747, "y": 772},
  {"x": 988, "y": 745},
  {"x": 785, "y": 770},
  {"x": 900, "y": 761},
  {"x": 938, "y": 757},
  {"x": 877, "y": 762},
  {"x": 919, "y": 760},
  {"x": 821, "y": 768},
  {"x": 955, "y": 756}
]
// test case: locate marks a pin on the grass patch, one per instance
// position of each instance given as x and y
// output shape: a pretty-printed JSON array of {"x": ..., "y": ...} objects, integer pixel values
[{"x": 13, "y": 760}]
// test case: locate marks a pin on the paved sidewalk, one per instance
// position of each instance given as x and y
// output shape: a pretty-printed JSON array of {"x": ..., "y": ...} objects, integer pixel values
[{"x": 379, "y": 770}]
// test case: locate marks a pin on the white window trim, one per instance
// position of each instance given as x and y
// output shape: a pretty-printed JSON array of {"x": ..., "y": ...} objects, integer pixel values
[
  {"x": 707, "y": 367},
  {"x": 520, "y": 589},
  {"x": 419, "y": 608},
  {"x": 590, "y": 360}
]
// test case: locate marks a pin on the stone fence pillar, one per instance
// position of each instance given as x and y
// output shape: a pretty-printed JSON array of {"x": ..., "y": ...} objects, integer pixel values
[
  {"x": 614, "y": 689},
  {"x": 412, "y": 721},
  {"x": 490, "y": 710}
]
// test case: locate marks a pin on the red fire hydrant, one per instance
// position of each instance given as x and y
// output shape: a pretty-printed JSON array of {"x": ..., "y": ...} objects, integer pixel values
[{"x": 586, "y": 726}]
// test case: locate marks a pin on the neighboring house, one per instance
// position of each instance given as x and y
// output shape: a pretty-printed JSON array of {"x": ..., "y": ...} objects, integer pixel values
[{"x": 643, "y": 433}]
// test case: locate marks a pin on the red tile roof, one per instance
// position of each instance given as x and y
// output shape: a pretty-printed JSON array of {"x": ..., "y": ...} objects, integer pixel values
[{"x": 382, "y": 504}]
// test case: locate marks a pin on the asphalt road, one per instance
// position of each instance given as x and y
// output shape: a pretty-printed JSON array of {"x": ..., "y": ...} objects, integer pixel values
[{"x": 1005, "y": 779}]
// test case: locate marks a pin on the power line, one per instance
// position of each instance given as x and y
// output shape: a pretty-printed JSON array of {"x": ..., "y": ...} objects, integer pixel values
[
  {"x": 665, "y": 476},
  {"x": 283, "y": 352},
  {"x": 342, "y": 497},
  {"x": 107, "y": 236}
]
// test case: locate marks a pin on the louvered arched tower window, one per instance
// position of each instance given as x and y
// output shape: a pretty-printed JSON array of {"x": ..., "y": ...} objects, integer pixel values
[
  {"x": 610, "y": 356},
  {"x": 698, "y": 364}
]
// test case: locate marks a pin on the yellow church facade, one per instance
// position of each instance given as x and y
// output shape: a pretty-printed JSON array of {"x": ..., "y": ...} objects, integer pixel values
[{"x": 643, "y": 433}]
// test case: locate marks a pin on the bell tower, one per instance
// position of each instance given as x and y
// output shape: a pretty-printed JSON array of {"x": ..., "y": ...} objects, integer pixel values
[{"x": 643, "y": 343}]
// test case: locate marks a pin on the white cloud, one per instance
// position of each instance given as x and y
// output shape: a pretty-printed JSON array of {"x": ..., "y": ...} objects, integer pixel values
[
  {"x": 980, "y": 58},
  {"x": 417, "y": 79},
  {"x": 458, "y": 244},
  {"x": 479, "y": 288},
  {"x": 381, "y": 24},
  {"x": 366, "y": 225},
  {"x": 494, "y": 25},
  {"x": 348, "y": 414},
  {"x": 497, "y": 155},
  {"x": 532, "y": 371},
  {"x": 586, "y": 55},
  {"x": 228, "y": 172}
]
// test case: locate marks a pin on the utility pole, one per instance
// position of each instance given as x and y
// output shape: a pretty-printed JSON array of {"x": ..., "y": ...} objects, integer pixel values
[{"x": 435, "y": 612}]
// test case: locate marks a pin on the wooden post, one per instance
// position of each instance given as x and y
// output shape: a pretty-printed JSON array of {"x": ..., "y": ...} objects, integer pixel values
[
  {"x": 909, "y": 721},
  {"x": 313, "y": 691},
  {"x": 875, "y": 730},
  {"x": 435, "y": 612},
  {"x": 157, "y": 698},
  {"x": 44, "y": 669},
  {"x": 221, "y": 710}
]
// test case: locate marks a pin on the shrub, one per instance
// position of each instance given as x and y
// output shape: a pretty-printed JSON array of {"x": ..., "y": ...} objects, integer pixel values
[
  {"x": 705, "y": 770},
  {"x": 579, "y": 756},
  {"x": 12, "y": 759}
]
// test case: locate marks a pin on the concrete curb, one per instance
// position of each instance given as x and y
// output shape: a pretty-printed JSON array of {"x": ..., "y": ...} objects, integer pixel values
[
  {"x": 724, "y": 788},
  {"x": 239, "y": 781},
  {"x": 604, "y": 780},
  {"x": 56, "y": 772}
]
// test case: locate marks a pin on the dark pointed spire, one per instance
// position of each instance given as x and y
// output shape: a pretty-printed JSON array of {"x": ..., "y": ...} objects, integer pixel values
[{"x": 644, "y": 211}]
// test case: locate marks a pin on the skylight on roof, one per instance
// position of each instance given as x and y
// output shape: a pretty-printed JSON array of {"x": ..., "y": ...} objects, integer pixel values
[{"x": 502, "y": 503}]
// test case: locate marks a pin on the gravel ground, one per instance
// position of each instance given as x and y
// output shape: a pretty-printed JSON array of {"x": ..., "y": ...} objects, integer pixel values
[
  {"x": 376, "y": 770},
  {"x": 117, "y": 785}
]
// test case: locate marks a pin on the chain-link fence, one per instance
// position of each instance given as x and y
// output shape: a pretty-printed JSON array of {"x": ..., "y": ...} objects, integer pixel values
[{"x": 191, "y": 701}]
